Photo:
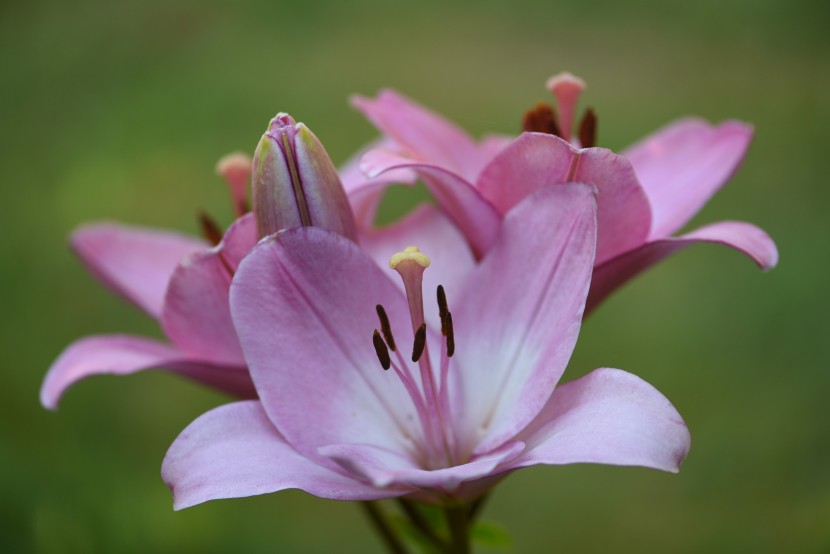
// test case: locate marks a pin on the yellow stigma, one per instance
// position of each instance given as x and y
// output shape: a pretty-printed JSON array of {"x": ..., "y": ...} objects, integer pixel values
[{"x": 410, "y": 253}]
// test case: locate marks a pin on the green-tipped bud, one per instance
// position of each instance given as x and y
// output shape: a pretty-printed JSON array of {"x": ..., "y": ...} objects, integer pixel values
[{"x": 296, "y": 184}]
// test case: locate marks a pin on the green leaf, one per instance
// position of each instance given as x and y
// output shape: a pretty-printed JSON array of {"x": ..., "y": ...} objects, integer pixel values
[{"x": 491, "y": 535}]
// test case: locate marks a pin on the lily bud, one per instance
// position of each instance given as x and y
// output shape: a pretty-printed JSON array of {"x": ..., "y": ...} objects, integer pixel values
[{"x": 296, "y": 184}]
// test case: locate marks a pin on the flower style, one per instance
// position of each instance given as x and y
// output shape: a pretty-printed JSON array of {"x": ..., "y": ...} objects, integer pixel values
[
  {"x": 645, "y": 195},
  {"x": 183, "y": 282},
  {"x": 345, "y": 412}
]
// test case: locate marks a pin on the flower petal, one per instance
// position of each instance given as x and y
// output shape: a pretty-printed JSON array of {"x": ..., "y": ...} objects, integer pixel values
[
  {"x": 535, "y": 160},
  {"x": 425, "y": 135},
  {"x": 196, "y": 315},
  {"x": 134, "y": 262},
  {"x": 477, "y": 218},
  {"x": 239, "y": 239},
  {"x": 683, "y": 164},
  {"x": 519, "y": 314},
  {"x": 383, "y": 468},
  {"x": 743, "y": 237},
  {"x": 607, "y": 417},
  {"x": 623, "y": 211},
  {"x": 431, "y": 231},
  {"x": 234, "y": 451},
  {"x": 124, "y": 354},
  {"x": 528, "y": 163},
  {"x": 303, "y": 303},
  {"x": 364, "y": 194}
]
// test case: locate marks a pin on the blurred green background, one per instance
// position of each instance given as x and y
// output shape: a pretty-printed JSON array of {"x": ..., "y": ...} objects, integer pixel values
[{"x": 119, "y": 110}]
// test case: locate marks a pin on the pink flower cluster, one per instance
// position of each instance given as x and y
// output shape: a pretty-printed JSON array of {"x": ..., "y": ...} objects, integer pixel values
[{"x": 423, "y": 359}]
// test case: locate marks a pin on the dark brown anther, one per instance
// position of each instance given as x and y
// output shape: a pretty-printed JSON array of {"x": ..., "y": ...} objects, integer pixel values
[
  {"x": 381, "y": 351},
  {"x": 588, "y": 129},
  {"x": 541, "y": 119},
  {"x": 420, "y": 342},
  {"x": 385, "y": 327},
  {"x": 442, "y": 308},
  {"x": 450, "y": 334},
  {"x": 210, "y": 229}
]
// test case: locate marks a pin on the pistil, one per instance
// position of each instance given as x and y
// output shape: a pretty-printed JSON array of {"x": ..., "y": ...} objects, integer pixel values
[
  {"x": 543, "y": 118},
  {"x": 567, "y": 89}
]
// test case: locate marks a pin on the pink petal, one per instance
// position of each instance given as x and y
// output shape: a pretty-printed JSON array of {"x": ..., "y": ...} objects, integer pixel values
[
  {"x": 383, "y": 468},
  {"x": 528, "y": 163},
  {"x": 535, "y": 160},
  {"x": 196, "y": 315},
  {"x": 519, "y": 314},
  {"x": 430, "y": 230},
  {"x": 425, "y": 135},
  {"x": 303, "y": 303},
  {"x": 683, "y": 164},
  {"x": 476, "y": 217},
  {"x": 234, "y": 451},
  {"x": 134, "y": 262},
  {"x": 607, "y": 417},
  {"x": 364, "y": 194},
  {"x": 743, "y": 237},
  {"x": 623, "y": 211},
  {"x": 123, "y": 355},
  {"x": 239, "y": 239}
]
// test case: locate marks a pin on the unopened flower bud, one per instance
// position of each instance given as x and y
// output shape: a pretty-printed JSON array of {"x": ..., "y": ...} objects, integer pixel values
[{"x": 296, "y": 184}]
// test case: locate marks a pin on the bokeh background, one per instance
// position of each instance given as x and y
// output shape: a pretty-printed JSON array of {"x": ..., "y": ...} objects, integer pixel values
[{"x": 119, "y": 110}]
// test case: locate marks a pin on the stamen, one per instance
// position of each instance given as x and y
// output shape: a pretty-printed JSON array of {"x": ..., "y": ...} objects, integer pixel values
[
  {"x": 450, "y": 334},
  {"x": 210, "y": 229},
  {"x": 442, "y": 308},
  {"x": 588, "y": 129},
  {"x": 385, "y": 327},
  {"x": 381, "y": 351},
  {"x": 541, "y": 119},
  {"x": 420, "y": 342}
]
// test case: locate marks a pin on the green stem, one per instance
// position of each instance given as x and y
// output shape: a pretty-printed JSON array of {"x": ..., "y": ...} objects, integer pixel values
[
  {"x": 459, "y": 525},
  {"x": 420, "y": 522},
  {"x": 475, "y": 507},
  {"x": 390, "y": 539}
]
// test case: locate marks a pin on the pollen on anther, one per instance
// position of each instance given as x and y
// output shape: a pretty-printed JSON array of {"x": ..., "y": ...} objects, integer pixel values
[
  {"x": 443, "y": 310},
  {"x": 420, "y": 342},
  {"x": 210, "y": 229},
  {"x": 541, "y": 119},
  {"x": 385, "y": 327},
  {"x": 588, "y": 129},
  {"x": 381, "y": 350},
  {"x": 450, "y": 334}
]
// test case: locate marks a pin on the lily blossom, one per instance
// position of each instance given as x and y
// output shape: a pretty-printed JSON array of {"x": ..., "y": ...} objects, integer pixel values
[
  {"x": 183, "y": 282},
  {"x": 180, "y": 281},
  {"x": 646, "y": 194},
  {"x": 367, "y": 390}
]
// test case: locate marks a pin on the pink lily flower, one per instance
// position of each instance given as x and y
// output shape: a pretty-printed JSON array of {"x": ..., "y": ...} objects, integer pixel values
[
  {"x": 180, "y": 281},
  {"x": 345, "y": 412},
  {"x": 645, "y": 195},
  {"x": 183, "y": 282}
]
